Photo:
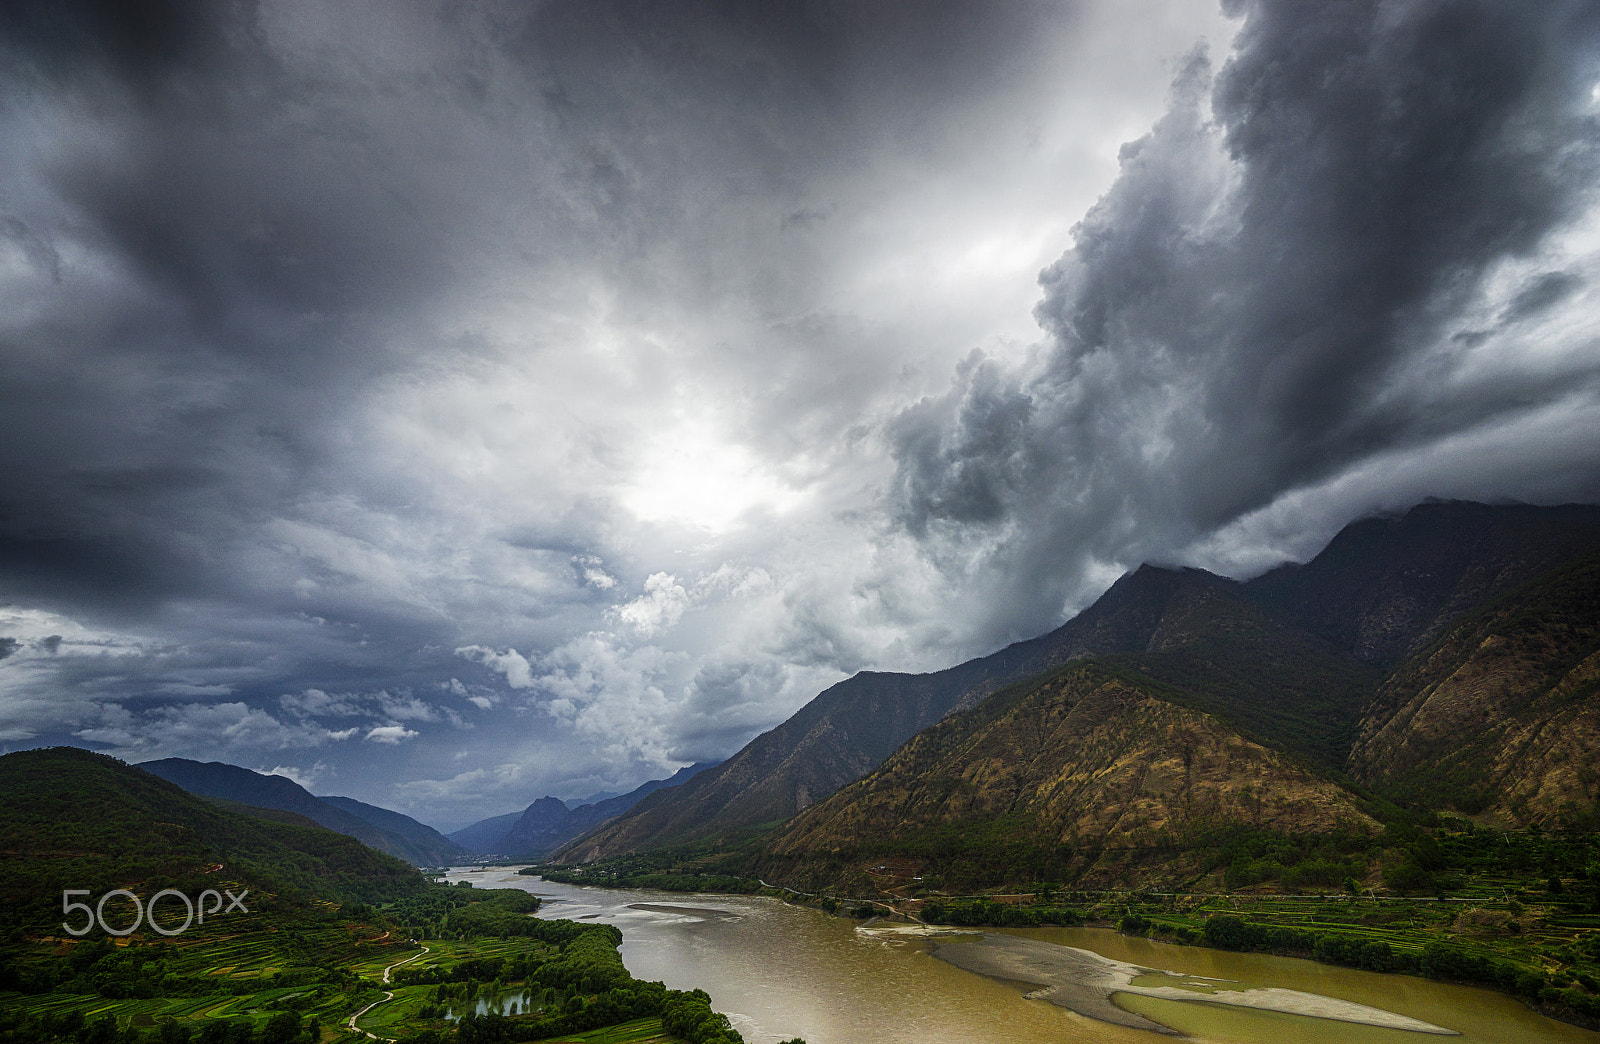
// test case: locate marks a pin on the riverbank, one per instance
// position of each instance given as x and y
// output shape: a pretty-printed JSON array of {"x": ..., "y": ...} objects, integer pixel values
[
  {"x": 1545, "y": 953},
  {"x": 1088, "y": 983},
  {"x": 782, "y": 969}
]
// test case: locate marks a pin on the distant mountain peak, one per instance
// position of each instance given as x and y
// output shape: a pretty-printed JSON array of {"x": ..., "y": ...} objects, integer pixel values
[{"x": 548, "y": 823}]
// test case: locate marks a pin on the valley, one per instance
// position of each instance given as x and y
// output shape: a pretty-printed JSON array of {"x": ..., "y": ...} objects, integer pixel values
[
  {"x": 806, "y": 522},
  {"x": 1402, "y": 721},
  {"x": 1379, "y": 760},
  {"x": 783, "y": 968},
  {"x": 337, "y": 942}
]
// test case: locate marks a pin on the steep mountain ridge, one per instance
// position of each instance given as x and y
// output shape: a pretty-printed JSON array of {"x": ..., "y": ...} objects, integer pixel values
[
  {"x": 1097, "y": 776},
  {"x": 1383, "y": 587},
  {"x": 421, "y": 844},
  {"x": 538, "y": 830},
  {"x": 1291, "y": 658},
  {"x": 217, "y": 779},
  {"x": 71, "y": 818},
  {"x": 849, "y": 728},
  {"x": 1500, "y": 716},
  {"x": 1220, "y": 651}
]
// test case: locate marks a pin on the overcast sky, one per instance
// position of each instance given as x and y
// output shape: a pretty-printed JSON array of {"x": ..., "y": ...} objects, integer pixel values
[{"x": 447, "y": 404}]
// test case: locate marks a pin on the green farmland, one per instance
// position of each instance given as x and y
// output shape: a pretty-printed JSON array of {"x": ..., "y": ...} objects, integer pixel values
[{"x": 331, "y": 978}]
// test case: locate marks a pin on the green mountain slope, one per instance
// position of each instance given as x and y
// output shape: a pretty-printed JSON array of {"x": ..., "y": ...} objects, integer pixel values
[
  {"x": 74, "y": 819},
  {"x": 412, "y": 841},
  {"x": 1220, "y": 651}
]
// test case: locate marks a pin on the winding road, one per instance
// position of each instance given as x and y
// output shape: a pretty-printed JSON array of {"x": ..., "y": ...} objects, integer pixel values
[{"x": 387, "y": 996}]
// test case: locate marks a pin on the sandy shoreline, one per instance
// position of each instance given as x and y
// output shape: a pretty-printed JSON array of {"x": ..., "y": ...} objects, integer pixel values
[
  {"x": 1084, "y": 982},
  {"x": 685, "y": 911}
]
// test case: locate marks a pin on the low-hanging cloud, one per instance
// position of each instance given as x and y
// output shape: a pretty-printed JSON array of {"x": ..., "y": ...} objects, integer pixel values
[{"x": 1272, "y": 293}]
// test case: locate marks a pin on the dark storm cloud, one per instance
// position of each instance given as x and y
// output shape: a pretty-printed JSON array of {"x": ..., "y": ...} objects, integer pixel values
[
  {"x": 1542, "y": 293},
  {"x": 1242, "y": 314},
  {"x": 293, "y": 295},
  {"x": 39, "y": 253},
  {"x": 138, "y": 41},
  {"x": 225, "y": 260},
  {"x": 267, "y": 231},
  {"x": 377, "y": 375}
]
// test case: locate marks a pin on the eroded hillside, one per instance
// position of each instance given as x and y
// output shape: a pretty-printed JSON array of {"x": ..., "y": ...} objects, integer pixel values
[
  {"x": 1499, "y": 717},
  {"x": 1095, "y": 776}
]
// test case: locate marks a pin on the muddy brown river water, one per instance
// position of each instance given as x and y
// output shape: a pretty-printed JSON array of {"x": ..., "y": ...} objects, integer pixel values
[{"x": 780, "y": 972}]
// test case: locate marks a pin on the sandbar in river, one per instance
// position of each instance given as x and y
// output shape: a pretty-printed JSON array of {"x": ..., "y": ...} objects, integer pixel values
[{"x": 1086, "y": 982}]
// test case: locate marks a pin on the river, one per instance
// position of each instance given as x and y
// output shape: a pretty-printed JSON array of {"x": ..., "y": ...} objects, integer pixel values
[{"x": 780, "y": 971}]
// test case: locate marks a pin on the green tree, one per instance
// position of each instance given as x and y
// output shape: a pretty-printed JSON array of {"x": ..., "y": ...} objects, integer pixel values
[
  {"x": 175, "y": 1033},
  {"x": 282, "y": 1028},
  {"x": 1227, "y": 932}
]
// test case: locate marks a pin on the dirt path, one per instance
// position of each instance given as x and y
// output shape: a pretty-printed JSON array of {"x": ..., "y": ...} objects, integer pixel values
[
  {"x": 388, "y": 995},
  {"x": 390, "y": 970}
]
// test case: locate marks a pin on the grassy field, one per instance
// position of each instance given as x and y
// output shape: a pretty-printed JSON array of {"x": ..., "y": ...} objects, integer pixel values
[
  {"x": 639, "y": 1031},
  {"x": 257, "y": 975}
]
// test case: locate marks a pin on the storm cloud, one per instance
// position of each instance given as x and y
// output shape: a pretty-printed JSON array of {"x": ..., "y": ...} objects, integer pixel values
[
  {"x": 1364, "y": 238},
  {"x": 452, "y": 403}
]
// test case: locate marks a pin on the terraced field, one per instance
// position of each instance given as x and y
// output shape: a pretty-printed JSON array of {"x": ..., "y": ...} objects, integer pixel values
[{"x": 317, "y": 973}]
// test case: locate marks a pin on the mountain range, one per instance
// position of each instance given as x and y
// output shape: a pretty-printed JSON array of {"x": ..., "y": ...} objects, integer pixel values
[
  {"x": 535, "y": 831},
  {"x": 73, "y": 819},
  {"x": 377, "y": 828},
  {"x": 549, "y": 822},
  {"x": 1446, "y": 657}
]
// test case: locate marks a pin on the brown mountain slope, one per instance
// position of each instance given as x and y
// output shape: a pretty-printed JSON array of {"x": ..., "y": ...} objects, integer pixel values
[
  {"x": 834, "y": 739},
  {"x": 1084, "y": 774},
  {"x": 1270, "y": 680},
  {"x": 851, "y": 727},
  {"x": 1500, "y": 716}
]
